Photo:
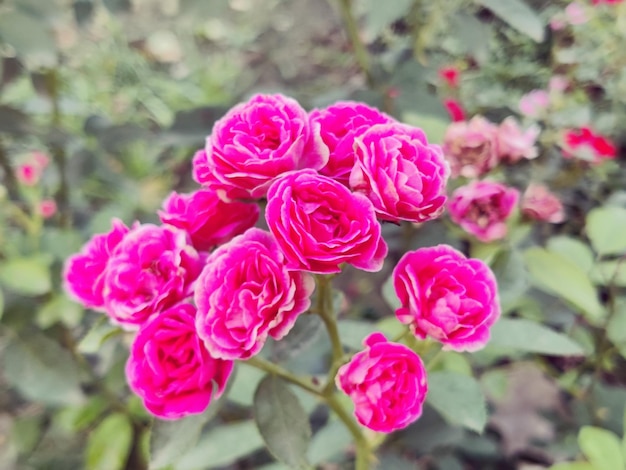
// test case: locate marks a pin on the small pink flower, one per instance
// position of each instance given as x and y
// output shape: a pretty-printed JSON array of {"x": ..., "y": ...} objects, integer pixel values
[
  {"x": 575, "y": 14},
  {"x": 208, "y": 220},
  {"x": 171, "y": 370},
  {"x": 534, "y": 103},
  {"x": 28, "y": 174},
  {"x": 447, "y": 297},
  {"x": 400, "y": 172},
  {"x": 245, "y": 294},
  {"x": 340, "y": 124},
  {"x": 481, "y": 208},
  {"x": 255, "y": 142},
  {"x": 40, "y": 159},
  {"x": 450, "y": 75},
  {"x": 387, "y": 384},
  {"x": 47, "y": 208},
  {"x": 539, "y": 203},
  {"x": 84, "y": 272},
  {"x": 514, "y": 143},
  {"x": 471, "y": 147},
  {"x": 557, "y": 23},
  {"x": 455, "y": 109},
  {"x": 558, "y": 84},
  {"x": 319, "y": 224}
]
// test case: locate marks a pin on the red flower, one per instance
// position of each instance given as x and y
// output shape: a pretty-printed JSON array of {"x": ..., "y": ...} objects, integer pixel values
[
  {"x": 606, "y": 2},
  {"x": 455, "y": 110},
  {"x": 451, "y": 75},
  {"x": 579, "y": 142}
]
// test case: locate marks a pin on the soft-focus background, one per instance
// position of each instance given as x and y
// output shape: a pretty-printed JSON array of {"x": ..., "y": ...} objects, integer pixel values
[{"x": 102, "y": 105}]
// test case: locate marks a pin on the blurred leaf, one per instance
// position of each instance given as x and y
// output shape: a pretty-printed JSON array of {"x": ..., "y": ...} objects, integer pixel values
[
  {"x": 616, "y": 329},
  {"x": 97, "y": 335},
  {"x": 572, "y": 249},
  {"x": 434, "y": 126},
  {"x": 610, "y": 273},
  {"x": 59, "y": 309},
  {"x": 605, "y": 227},
  {"x": 330, "y": 441},
  {"x": 508, "y": 267},
  {"x": 391, "y": 327},
  {"x": 472, "y": 36},
  {"x": 117, "y": 6},
  {"x": 26, "y": 432},
  {"x": 244, "y": 384},
  {"x": 353, "y": 332},
  {"x": 109, "y": 444},
  {"x": 381, "y": 14},
  {"x": 458, "y": 398},
  {"x": 389, "y": 294},
  {"x": 572, "y": 466},
  {"x": 193, "y": 125},
  {"x": 32, "y": 40},
  {"x": 61, "y": 243},
  {"x": 527, "y": 335},
  {"x": 601, "y": 447},
  {"x": 306, "y": 331},
  {"x": 83, "y": 11},
  {"x": 13, "y": 121},
  {"x": 518, "y": 15},
  {"x": 282, "y": 422},
  {"x": 1, "y": 303},
  {"x": 26, "y": 276}
]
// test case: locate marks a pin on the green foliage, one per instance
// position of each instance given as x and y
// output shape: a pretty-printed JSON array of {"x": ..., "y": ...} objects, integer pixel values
[
  {"x": 605, "y": 227},
  {"x": 27, "y": 276},
  {"x": 109, "y": 444},
  {"x": 602, "y": 448},
  {"x": 519, "y": 15}
]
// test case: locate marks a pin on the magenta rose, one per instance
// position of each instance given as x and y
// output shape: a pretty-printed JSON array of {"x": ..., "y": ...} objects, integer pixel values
[
  {"x": 255, "y": 142},
  {"x": 206, "y": 218},
  {"x": 447, "y": 297},
  {"x": 170, "y": 368},
  {"x": 471, "y": 147},
  {"x": 83, "y": 273},
  {"x": 482, "y": 208},
  {"x": 340, "y": 124},
  {"x": 538, "y": 203},
  {"x": 319, "y": 224},
  {"x": 400, "y": 172},
  {"x": 386, "y": 382},
  {"x": 246, "y": 294},
  {"x": 152, "y": 269}
]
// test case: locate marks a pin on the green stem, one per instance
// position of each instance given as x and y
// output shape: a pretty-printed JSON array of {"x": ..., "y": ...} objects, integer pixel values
[
  {"x": 362, "y": 446},
  {"x": 10, "y": 180},
  {"x": 360, "y": 51},
  {"x": 284, "y": 374}
]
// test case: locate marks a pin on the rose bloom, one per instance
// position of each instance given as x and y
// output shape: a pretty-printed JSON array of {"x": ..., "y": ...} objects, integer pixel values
[
  {"x": 575, "y": 14},
  {"x": 47, "y": 208},
  {"x": 170, "y": 369},
  {"x": 514, "y": 143},
  {"x": 558, "y": 84},
  {"x": 245, "y": 294},
  {"x": 386, "y": 382},
  {"x": 83, "y": 273},
  {"x": 400, "y": 172},
  {"x": 450, "y": 75},
  {"x": 587, "y": 145},
  {"x": 206, "y": 218},
  {"x": 256, "y": 141},
  {"x": 319, "y": 224},
  {"x": 534, "y": 103},
  {"x": 151, "y": 269},
  {"x": 340, "y": 124},
  {"x": 447, "y": 297},
  {"x": 455, "y": 109},
  {"x": 481, "y": 208},
  {"x": 539, "y": 203},
  {"x": 28, "y": 174},
  {"x": 471, "y": 147}
]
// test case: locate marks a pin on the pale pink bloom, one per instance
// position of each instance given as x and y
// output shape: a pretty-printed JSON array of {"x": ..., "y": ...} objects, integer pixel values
[
  {"x": 558, "y": 84},
  {"x": 47, "y": 208},
  {"x": 515, "y": 143},
  {"x": 471, "y": 147},
  {"x": 245, "y": 295},
  {"x": 539, "y": 203},
  {"x": 28, "y": 174},
  {"x": 319, "y": 224},
  {"x": 534, "y": 103},
  {"x": 575, "y": 14},
  {"x": 170, "y": 369},
  {"x": 386, "y": 382},
  {"x": 255, "y": 142},
  {"x": 447, "y": 297},
  {"x": 482, "y": 208},
  {"x": 557, "y": 23},
  {"x": 400, "y": 172}
]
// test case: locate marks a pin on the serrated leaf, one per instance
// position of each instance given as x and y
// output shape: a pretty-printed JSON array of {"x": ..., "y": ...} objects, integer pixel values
[
  {"x": 282, "y": 422},
  {"x": 518, "y": 15},
  {"x": 26, "y": 276},
  {"x": 458, "y": 398},
  {"x": 605, "y": 227},
  {"x": 601, "y": 447},
  {"x": 109, "y": 444}
]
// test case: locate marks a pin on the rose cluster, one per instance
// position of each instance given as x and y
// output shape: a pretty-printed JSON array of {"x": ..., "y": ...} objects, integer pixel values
[{"x": 206, "y": 287}]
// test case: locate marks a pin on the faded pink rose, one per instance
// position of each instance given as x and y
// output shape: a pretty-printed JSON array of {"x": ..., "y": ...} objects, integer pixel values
[
  {"x": 83, "y": 273},
  {"x": 319, "y": 224},
  {"x": 208, "y": 220},
  {"x": 255, "y": 142},
  {"x": 170, "y": 369},
  {"x": 471, "y": 147},
  {"x": 28, "y": 174},
  {"x": 575, "y": 14},
  {"x": 515, "y": 143},
  {"x": 47, "y": 208},
  {"x": 539, "y": 203},
  {"x": 447, "y": 297},
  {"x": 534, "y": 103},
  {"x": 558, "y": 84},
  {"x": 340, "y": 124},
  {"x": 245, "y": 294},
  {"x": 481, "y": 208},
  {"x": 400, "y": 172},
  {"x": 151, "y": 269},
  {"x": 386, "y": 382}
]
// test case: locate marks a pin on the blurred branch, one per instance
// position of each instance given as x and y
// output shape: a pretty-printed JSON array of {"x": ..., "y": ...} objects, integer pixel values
[
  {"x": 9, "y": 176},
  {"x": 360, "y": 51}
]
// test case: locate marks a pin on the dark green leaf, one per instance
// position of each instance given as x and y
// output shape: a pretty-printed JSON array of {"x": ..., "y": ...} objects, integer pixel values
[
  {"x": 518, "y": 15},
  {"x": 353, "y": 332},
  {"x": 26, "y": 276},
  {"x": 601, "y": 447},
  {"x": 333, "y": 439},
  {"x": 605, "y": 227},
  {"x": 508, "y": 267},
  {"x": 109, "y": 444}
]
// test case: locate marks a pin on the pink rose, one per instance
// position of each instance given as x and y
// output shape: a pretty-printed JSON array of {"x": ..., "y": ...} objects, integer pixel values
[
  {"x": 471, "y": 147},
  {"x": 83, "y": 273},
  {"x": 558, "y": 84},
  {"x": 319, "y": 224},
  {"x": 514, "y": 143},
  {"x": 575, "y": 14},
  {"x": 446, "y": 296},
  {"x": 481, "y": 208},
  {"x": 340, "y": 124},
  {"x": 170, "y": 369},
  {"x": 455, "y": 109},
  {"x": 534, "y": 103},
  {"x": 28, "y": 174},
  {"x": 386, "y": 382},
  {"x": 539, "y": 203},
  {"x": 400, "y": 172},
  {"x": 451, "y": 75},
  {"x": 47, "y": 208},
  {"x": 245, "y": 294},
  {"x": 151, "y": 269},
  {"x": 255, "y": 142},
  {"x": 208, "y": 220}
]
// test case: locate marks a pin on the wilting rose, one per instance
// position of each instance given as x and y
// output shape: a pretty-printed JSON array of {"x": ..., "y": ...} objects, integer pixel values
[
  {"x": 471, "y": 147},
  {"x": 245, "y": 294},
  {"x": 447, "y": 297},
  {"x": 386, "y": 382},
  {"x": 514, "y": 143},
  {"x": 539, "y": 203}
]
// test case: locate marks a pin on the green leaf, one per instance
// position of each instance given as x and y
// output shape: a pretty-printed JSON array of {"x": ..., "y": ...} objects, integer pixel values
[
  {"x": 389, "y": 294},
  {"x": 59, "y": 309},
  {"x": 109, "y": 444},
  {"x": 458, "y": 398},
  {"x": 572, "y": 249},
  {"x": 601, "y": 447},
  {"x": 572, "y": 466},
  {"x": 244, "y": 384},
  {"x": 508, "y": 267},
  {"x": 282, "y": 422},
  {"x": 433, "y": 126},
  {"x": 527, "y": 335},
  {"x": 26, "y": 276},
  {"x": 1, "y": 303},
  {"x": 518, "y": 15},
  {"x": 353, "y": 332},
  {"x": 32, "y": 40},
  {"x": 382, "y": 14},
  {"x": 610, "y": 273},
  {"x": 559, "y": 276},
  {"x": 331, "y": 440},
  {"x": 616, "y": 329},
  {"x": 605, "y": 227}
]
